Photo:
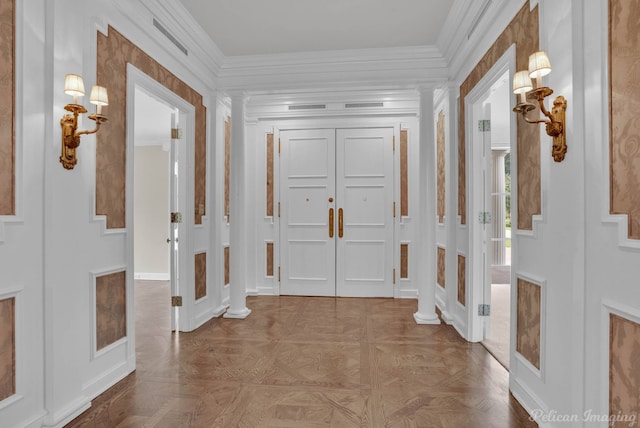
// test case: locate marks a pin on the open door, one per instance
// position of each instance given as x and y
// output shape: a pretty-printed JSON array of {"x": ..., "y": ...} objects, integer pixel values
[{"x": 174, "y": 225}]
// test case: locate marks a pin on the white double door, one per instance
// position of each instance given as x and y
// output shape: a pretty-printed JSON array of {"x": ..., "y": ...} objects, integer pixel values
[{"x": 337, "y": 212}]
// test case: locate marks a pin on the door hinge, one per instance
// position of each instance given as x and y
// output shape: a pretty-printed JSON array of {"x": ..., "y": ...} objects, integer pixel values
[
  {"x": 176, "y": 301},
  {"x": 278, "y": 209},
  {"x": 484, "y": 217},
  {"x": 176, "y": 133},
  {"x": 394, "y": 276},
  {"x": 176, "y": 217},
  {"x": 278, "y": 145},
  {"x": 278, "y": 273},
  {"x": 484, "y": 310},
  {"x": 484, "y": 125}
]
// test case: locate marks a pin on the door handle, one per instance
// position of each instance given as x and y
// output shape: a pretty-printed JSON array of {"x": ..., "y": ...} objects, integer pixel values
[
  {"x": 330, "y": 222},
  {"x": 340, "y": 226}
]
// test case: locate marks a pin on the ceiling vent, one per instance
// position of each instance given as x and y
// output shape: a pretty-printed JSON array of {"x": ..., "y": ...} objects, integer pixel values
[
  {"x": 308, "y": 107},
  {"x": 364, "y": 105},
  {"x": 170, "y": 36}
]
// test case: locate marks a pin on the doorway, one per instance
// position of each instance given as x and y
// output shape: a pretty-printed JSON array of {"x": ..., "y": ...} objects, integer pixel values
[
  {"x": 491, "y": 236},
  {"x": 337, "y": 212}
]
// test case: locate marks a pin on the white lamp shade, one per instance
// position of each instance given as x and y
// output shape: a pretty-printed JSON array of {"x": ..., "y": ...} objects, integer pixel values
[
  {"x": 99, "y": 96},
  {"x": 539, "y": 64},
  {"x": 522, "y": 82},
  {"x": 73, "y": 85}
]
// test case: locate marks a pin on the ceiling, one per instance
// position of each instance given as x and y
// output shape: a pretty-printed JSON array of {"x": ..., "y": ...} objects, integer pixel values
[{"x": 258, "y": 27}]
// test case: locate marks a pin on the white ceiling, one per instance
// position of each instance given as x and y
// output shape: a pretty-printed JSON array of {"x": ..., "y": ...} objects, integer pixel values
[{"x": 248, "y": 27}]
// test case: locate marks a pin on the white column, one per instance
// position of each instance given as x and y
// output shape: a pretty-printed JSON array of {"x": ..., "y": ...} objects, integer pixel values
[
  {"x": 499, "y": 207},
  {"x": 238, "y": 214},
  {"x": 427, "y": 214}
]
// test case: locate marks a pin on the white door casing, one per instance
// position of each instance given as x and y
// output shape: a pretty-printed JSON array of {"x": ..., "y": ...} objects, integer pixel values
[{"x": 336, "y": 212}]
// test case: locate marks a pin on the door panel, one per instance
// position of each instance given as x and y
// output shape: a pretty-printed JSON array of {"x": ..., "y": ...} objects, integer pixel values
[
  {"x": 364, "y": 167},
  {"x": 307, "y": 184}
]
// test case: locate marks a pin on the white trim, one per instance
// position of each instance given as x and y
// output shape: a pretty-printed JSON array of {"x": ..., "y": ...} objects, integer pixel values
[
  {"x": 150, "y": 276},
  {"x": 67, "y": 413},
  {"x": 531, "y": 403}
]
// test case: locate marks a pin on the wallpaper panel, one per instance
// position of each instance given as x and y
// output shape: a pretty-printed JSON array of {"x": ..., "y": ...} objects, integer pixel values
[
  {"x": 440, "y": 147},
  {"x": 441, "y": 267},
  {"x": 269, "y": 259},
  {"x": 462, "y": 280},
  {"x": 404, "y": 261},
  {"x": 624, "y": 93},
  {"x": 404, "y": 173},
  {"x": 7, "y": 348},
  {"x": 523, "y": 32},
  {"x": 624, "y": 368},
  {"x": 270, "y": 173},
  {"x": 7, "y": 107},
  {"x": 528, "y": 321},
  {"x": 111, "y": 308},
  {"x": 201, "y": 275},
  {"x": 114, "y": 53},
  {"x": 227, "y": 267}
]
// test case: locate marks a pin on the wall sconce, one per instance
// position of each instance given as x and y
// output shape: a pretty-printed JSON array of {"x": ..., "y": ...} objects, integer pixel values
[
  {"x": 74, "y": 86},
  {"x": 522, "y": 86}
]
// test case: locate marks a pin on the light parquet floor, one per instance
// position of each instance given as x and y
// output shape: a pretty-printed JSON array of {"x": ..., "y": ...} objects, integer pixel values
[{"x": 305, "y": 362}]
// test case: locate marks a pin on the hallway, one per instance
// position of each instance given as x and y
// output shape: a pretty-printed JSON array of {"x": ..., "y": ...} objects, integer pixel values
[{"x": 305, "y": 362}]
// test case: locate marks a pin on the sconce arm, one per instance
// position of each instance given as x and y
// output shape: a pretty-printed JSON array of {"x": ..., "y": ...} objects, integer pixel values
[{"x": 99, "y": 119}]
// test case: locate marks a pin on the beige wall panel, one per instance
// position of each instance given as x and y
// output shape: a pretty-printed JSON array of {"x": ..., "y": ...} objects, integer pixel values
[
  {"x": 523, "y": 32},
  {"x": 270, "y": 173},
  {"x": 528, "y": 314},
  {"x": 111, "y": 309},
  {"x": 404, "y": 173},
  {"x": 270, "y": 267},
  {"x": 227, "y": 267},
  {"x": 624, "y": 57},
  {"x": 201, "y": 275},
  {"x": 462, "y": 280},
  {"x": 624, "y": 368},
  {"x": 7, "y": 348},
  {"x": 441, "y": 267},
  {"x": 114, "y": 53},
  {"x": 404, "y": 261},
  {"x": 440, "y": 145},
  {"x": 7, "y": 107}
]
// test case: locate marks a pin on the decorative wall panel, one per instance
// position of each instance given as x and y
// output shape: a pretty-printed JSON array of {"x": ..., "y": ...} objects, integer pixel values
[
  {"x": 404, "y": 173},
  {"x": 624, "y": 92},
  {"x": 111, "y": 308},
  {"x": 7, "y": 348},
  {"x": 528, "y": 321},
  {"x": 227, "y": 167},
  {"x": 114, "y": 53},
  {"x": 440, "y": 146},
  {"x": 441, "y": 267},
  {"x": 404, "y": 261},
  {"x": 227, "y": 267},
  {"x": 523, "y": 32},
  {"x": 624, "y": 368},
  {"x": 201, "y": 275},
  {"x": 7, "y": 107},
  {"x": 270, "y": 175},
  {"x": 462, "y": 280},
  {"x": 270, "y": 259}
]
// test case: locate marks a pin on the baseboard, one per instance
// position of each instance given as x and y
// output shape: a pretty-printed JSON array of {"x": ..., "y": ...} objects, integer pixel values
[
  {"x": 107, "y": 379},
  {"x": 36, "y": 421},
  {"x": 219, "y": 311},
  {"x": 529, "y": 401},
  {"x": 152, "y": 276},
  {"x": 266, "y": 291},
  {"x": 407, "y": 293},
  {"x": 252, "y": 292},
  {"x": 62, "y": 417}
]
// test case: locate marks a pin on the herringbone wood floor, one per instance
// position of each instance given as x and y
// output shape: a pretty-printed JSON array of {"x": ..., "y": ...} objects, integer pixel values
[{"x": 305, "y": 362}]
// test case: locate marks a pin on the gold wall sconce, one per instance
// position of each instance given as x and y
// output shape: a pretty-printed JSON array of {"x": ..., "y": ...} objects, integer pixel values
[
  {"x": 539, "y": 66},
  {"x": 74, "y": 86}
]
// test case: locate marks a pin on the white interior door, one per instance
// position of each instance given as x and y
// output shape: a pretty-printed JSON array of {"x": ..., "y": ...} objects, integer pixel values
[
  {"x": 307, "y": 198},
  {"x": 336, "y": 212},
  {"x": 173, "y": 240},
  {"x": 364, "y": 193}
]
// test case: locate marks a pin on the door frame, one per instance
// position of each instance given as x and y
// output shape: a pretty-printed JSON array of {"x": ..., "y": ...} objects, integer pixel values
[
  {"x": 138, "y": 79},
  {"x": 345, "y": 122},
  {"x": 476, "y": 324}
]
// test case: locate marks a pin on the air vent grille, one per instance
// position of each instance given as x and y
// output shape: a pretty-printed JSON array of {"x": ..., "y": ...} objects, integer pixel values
[
  {"x": 170, "y": 36},
  {"x": 364, "y": 105},
  {"x": 308, "y": 107}
]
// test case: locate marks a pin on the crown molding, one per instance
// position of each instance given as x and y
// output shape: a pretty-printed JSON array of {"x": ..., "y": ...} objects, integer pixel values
[{"x": 360, "y": 68}]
